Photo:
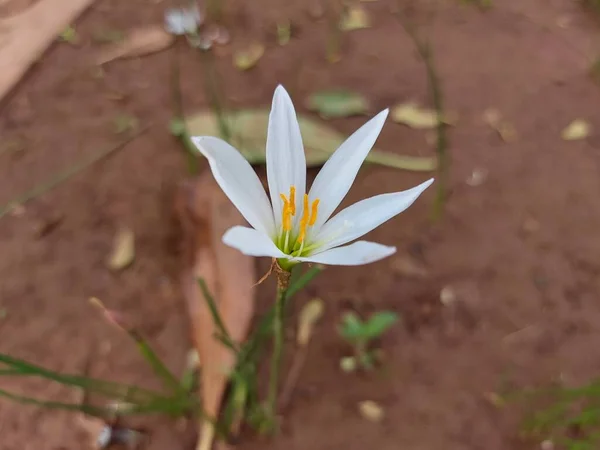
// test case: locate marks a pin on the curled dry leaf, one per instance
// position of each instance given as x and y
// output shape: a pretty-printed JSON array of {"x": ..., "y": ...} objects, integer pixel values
[
  {"x": 309, "y": 316},
  {"x": 494, "y": 119},
  {"x": 371, "y": 411},
  {"x": 136, "y": 43},
  {"x": 414, "y": 116},
  {"x": 248, "y": 58},
  {"x": 355, "y": 18},
  {"x": 205, "y": 214},
  {"x": 123, "y": 252},
  {"x": 578, "y": 129}
]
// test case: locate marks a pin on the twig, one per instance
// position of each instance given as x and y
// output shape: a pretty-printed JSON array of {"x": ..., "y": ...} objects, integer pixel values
[
  {"x": 67, "y": 174},
  {"x": 424, "y": 50}
]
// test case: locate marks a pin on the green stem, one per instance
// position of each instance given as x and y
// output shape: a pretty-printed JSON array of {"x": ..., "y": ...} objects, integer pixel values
[{"x": 283, "y": 283}]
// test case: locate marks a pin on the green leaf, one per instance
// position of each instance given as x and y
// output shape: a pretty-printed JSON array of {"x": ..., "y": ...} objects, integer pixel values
[
  {"x": 379, "y": 323},
  {"x": 351, "y": 327},
  {"x": 249, "y": 136},
  {"x": 337, "y": 103}
]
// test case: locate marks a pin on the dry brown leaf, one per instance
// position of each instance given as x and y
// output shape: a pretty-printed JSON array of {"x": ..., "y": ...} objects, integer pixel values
[
  {"x": 205, "y": 214},
  {"x": 309, "y": 316},
  {"x": 578, "y": 129},
  {"x": 355, "y": 18},
  {"x": 137, "y": 42},
  {"x": 494, "y": 119},
  {"x": 246, "y": 59},
  {"x": 371, "y": 411},
  {"x": 26, "y": 34},
  {"x": 123, "y": 252}
]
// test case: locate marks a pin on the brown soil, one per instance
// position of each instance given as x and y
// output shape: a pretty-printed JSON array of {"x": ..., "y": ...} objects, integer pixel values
[{"x": 519, "y": 251}]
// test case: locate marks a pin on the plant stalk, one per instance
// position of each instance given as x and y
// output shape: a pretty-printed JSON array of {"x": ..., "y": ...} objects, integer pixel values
[{"x": 283, "y": 283}]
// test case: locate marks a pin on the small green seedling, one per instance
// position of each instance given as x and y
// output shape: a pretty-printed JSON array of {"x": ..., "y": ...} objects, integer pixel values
[
  {"x": 360, "y": 334},
  {"x": 69, "y": 35}
]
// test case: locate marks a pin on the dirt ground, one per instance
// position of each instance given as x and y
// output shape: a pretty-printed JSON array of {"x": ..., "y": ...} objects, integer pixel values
[{"x": 519, "y": 251}]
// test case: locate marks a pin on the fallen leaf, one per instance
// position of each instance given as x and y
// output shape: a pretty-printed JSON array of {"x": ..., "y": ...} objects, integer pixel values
[
  {"x": 205, "y": 214},
  {"x": 578, "y": 129},
  {"x": 408, "y": 266},
  {"x": 124, "y": 123},
  {"x": 337, "y": 103},
  {"x": 371, "y": 411},
  {"x": 447, "y": 296},
  {"x": 284, "y": 32},
  {"x": 355, "y": 18},
  {"x": 249, "y": 136},
  {"x": 123, "y": 252},
  {"x": 416, "y": 117},
  {"x": 309, "y": 316},
  {"x": 248, "y": 58},
  {"x": 137, "y": 42},
  {"x": 108, "y": 36},
  {"x": 493, "y": 118},
  {"x": 477, "y": 177}
]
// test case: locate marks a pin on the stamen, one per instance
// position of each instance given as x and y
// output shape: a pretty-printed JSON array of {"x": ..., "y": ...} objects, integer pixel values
[
  {"x": 304, "y": 220},
  {"x": 286, "y": 216},
  {"x": 293, "y": 200},
  {"x": 314, "y": 212}
]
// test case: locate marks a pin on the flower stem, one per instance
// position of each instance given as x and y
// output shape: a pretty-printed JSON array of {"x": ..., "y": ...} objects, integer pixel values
[{"x": 283, "y": 282}]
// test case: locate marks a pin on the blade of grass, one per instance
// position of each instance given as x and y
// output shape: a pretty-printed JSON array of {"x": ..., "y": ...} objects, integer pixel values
[
  {"x": 63, "y": 176},
  {"x": 86, "y": 409},
  {"x": 224, "y": 334},
  {"x": 169, "y": 380},
  {"x": 105, "y": 388}
]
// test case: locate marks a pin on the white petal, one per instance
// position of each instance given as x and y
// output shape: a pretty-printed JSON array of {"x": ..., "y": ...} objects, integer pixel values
[
  {"x": 362, "y": 217},
  {"x": 356, "y": 254},
  {"x": 286, "y": 163},
  {"x": 252, "y": 242},
  {"x": 238, "y": 181},
  {"x": 337, "y": 175}
]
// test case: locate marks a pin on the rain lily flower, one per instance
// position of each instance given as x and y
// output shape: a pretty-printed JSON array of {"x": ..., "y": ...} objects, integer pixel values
[
  {"x": 296, "y": 226},
  {"x": 181, "y": 21}
]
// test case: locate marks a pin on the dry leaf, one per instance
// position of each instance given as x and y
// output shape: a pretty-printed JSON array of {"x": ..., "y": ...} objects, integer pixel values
[
  {"x": 205, "y": 214},
  {"x": 408, "y": 266},
  {"x": 578, "y": 129},
  {"x": 25, "y": 36},
  {"x": 309, "y": 316},
  {"x": 337, "y": 103},
  {"x": 371, "y": 411},
  {"x": 123, "y": 252},
  {"x": 249, "y": 136},
  {"x": 355, "y": 18},
  {"x": 417, "y": 117},
  {"x": 493, "y": 118},
  {"x": 137, "y": 42},
  {"x": 246, "y": 59}
]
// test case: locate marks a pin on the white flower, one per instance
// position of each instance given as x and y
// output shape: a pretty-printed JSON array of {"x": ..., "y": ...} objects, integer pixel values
[
  {"x": 180, "y": 21},
  {"x": 296, "y": 226}
]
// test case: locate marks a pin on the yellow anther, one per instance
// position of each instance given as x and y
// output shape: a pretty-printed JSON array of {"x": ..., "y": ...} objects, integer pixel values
[
  {"x": 293, "y": 200},
  {"x": 305, "y": 219},
  {"x": 314, "y": 210},
  {"x": 286, "y": 214}
]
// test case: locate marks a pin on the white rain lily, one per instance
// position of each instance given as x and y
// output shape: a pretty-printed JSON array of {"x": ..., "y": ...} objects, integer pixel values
[
  {"x": 296, "y": 226},
  {"x": 180, "y": 21}
]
